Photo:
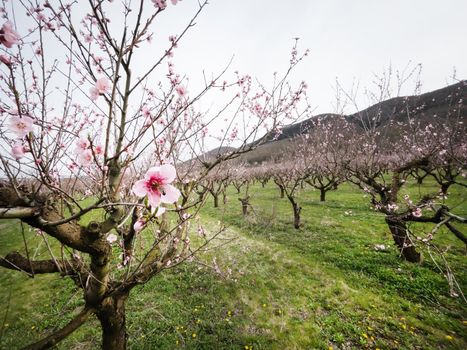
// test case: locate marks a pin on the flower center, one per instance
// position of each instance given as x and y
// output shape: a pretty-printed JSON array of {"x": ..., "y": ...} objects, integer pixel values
[
  {"x": 21, "y": 125},
  {"x": 155, "y": 183}
]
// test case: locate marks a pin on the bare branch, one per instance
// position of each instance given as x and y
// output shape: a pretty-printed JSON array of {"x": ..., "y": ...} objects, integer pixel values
[
  {"x": 18, "y": 212},
  {"x": 62, "y": 333}
]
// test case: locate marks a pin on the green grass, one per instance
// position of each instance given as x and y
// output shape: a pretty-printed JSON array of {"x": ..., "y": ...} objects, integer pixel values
[{"x": 278, "y": 288}]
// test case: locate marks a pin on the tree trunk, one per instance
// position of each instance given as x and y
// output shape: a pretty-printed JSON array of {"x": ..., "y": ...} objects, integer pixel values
[
  {"x": 419, "y": 180},
  {"x": 216, "y": 200},
  {"x": 444, "y": 188},
  {"x": 282, "y": 192},
  {"x": 296, "y": 215},
  {"x": 245, "y": 203},
  {"x": 322, "y": 195},
  {"x": 398, "y": 229},
  {"x": 111, "y": 314},
  {"x": 296, "y": 212}
]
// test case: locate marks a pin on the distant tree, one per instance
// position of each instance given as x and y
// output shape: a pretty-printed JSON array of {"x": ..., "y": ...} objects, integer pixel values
[
  {"x": 323, "y": 151},
  {"x": 288, "y": 176}
]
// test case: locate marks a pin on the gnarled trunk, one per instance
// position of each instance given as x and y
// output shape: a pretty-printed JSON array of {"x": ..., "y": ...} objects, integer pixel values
[
  {"x": 245, "y": 203},
  {"x": 111, "y": 314},
  {"x": 399, "y": 233},
  {"x": 296, "y": 212}
]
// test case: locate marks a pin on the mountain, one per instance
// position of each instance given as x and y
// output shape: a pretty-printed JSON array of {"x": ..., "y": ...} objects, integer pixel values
[{"x": 444, "y": 103}]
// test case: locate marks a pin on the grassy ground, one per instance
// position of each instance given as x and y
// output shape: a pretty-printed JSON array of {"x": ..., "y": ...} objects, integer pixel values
[{"x": 323, "y": 286}]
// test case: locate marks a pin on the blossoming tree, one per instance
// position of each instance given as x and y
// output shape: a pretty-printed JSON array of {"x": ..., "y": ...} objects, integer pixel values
[
  {"x": 383, "y": 154},
  {"x": 97, "y": 150}
]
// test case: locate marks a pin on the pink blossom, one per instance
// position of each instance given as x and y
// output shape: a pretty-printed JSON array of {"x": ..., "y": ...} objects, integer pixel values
[
  {"x": 98, "y": 149},
  {"x": 417, "y": 212},
  {"x": 101, "y": 87},
  {"x": 146, "y": 112},
  {"x": 156, "y": 185},
  {"x": 181, "y": 91},
  {"x": 139, "y": 225},
  {"x": 111, "y": 238},
  {"x": 82, "y": 145},
  {"x": 174, "y": 2},
  {"x": 5, "y": 59},
  {"x": 8, "y": 36},
  {"x": 161, "y": 4},
  {"x": 85, "y": 158},
  {"x": 18, "y": 151},
  {"x": 21, "y": 125}
]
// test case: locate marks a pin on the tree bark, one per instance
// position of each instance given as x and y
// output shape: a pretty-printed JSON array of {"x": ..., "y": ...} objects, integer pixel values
[
  {"x": 216, "y": 200},
  {"x": 282, "y": 192},
  {"x": 296, "y": 212},
  {"x": 322, "y": 195},
  {"x": 399, "y": 233},
  {"x": 245, "y": 203},
  {"x": 111, "y": 315},
  {"x": 444, "y": 188},
  {"x": 296, "y": 215}
]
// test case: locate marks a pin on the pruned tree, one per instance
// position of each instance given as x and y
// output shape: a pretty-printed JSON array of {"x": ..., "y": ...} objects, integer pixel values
[{"x": 97, "y": 151}]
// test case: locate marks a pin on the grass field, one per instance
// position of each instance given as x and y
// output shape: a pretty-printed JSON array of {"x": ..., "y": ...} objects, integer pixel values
[{"x": 321, "y": 287}]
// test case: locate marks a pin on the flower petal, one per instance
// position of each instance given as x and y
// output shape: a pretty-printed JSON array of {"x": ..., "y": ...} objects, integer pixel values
[
  {"x": 139, "y": 188},
  {"x": 160, "y": 211},
  {"x": 139, "y": 225},
  {"x": 170, "y": 195},
  {"x": 154, "y": 171},
  {"x": 168, "y": 172},
  {"x": 154, "y": 199}
]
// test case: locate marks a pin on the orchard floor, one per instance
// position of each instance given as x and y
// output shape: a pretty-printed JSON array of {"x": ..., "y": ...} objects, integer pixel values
[{"x": 321, "y": 287}]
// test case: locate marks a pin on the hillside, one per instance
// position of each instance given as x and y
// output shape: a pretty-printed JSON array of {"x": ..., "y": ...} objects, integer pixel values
[{"x": 442, "y": 103}]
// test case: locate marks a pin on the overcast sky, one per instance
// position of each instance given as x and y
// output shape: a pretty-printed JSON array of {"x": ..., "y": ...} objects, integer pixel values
[{"x": 348, "y": 39}]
